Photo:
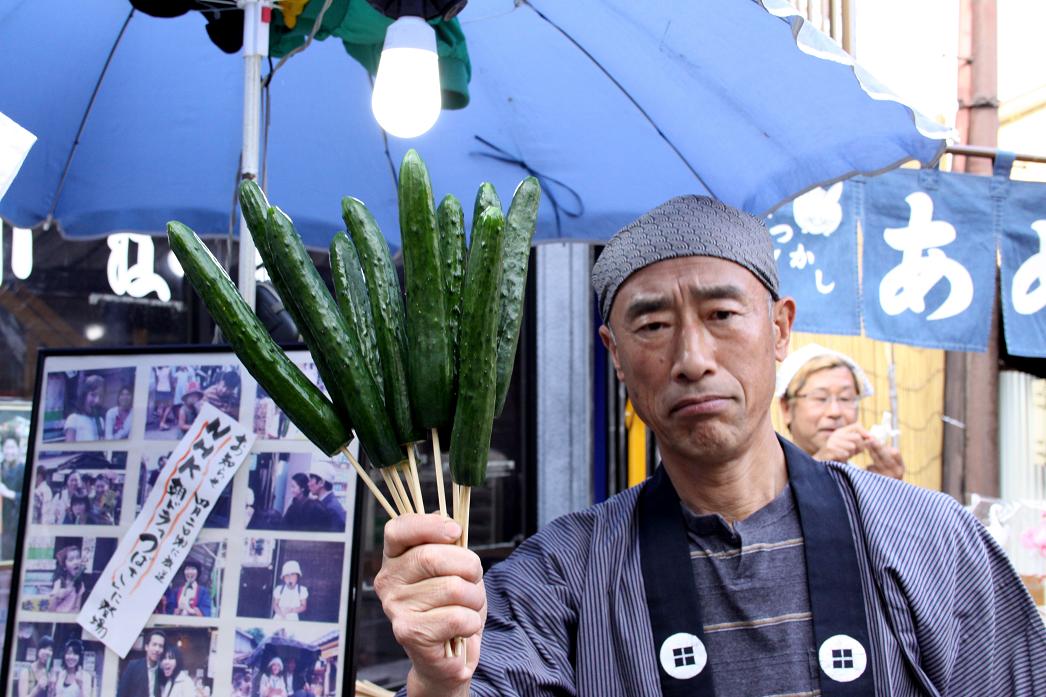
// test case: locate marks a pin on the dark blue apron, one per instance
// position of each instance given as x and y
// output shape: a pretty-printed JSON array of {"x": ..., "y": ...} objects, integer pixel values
[{"x": 832, "y": 573}]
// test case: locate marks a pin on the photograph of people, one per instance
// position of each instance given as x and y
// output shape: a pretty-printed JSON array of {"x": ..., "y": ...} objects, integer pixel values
[
  {"x": 819, "y": 392},
  {"x": 303, "y": 491},
  {"x": 291, "y": 579},
  {"x": 287, "y": 662},
  {"x": 289, "y": 598},
  {"x": 176, "y": 394},
  {"x": 71, "y": 679},
  {"x": 79, "y": 488},
  {"x": 13, "y": 474},
  {"x": 273, "y": 682},
  {"x": 59, "y": 572},
  {"x": 67, "y": 591},
  {"x": 174, "y": 679},
  {"x": 141, "y": 677},
  {"x": 77, "y": 403},
  {"x": 329, "y": 514},
  {"x": 118, "y": 418},
  {"x": 34, "y": 680},
  {"x": 189, "y": 596}
]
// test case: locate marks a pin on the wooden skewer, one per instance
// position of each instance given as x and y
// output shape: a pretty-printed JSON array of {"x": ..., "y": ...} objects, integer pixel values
[
  {"x": 395, "y": 473},
  {"x": 437, "y": 458},
  {"x": 419, "y": 501},
  {"x": 387, "y": 476},
  {"x": 370, "y": 483}
]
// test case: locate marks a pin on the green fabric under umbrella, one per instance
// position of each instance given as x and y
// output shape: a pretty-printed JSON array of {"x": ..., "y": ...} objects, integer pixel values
[{"x": 362, "y": 31}]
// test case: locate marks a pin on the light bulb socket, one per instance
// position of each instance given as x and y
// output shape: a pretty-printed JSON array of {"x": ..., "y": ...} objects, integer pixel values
[{"x": 427, "y": 9}]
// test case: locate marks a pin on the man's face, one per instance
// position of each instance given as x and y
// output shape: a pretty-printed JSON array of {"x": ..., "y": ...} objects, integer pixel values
[
  {"x": 827, "y": 401},
  {"x": 696, "y": 348},
  {"x": 190, "y": 573},
  {"x": 154, "y": 649},
  {"x": 315, "y": 485}
]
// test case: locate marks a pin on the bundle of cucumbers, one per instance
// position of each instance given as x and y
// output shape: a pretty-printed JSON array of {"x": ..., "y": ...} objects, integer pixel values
[{"x": 398, "y": 364}]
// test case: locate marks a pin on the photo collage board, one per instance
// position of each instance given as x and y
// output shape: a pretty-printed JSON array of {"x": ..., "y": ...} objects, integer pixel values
[{"x": 262, "y": 603}]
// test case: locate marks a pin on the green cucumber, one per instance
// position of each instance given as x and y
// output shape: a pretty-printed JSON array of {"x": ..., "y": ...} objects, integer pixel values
[
  {"x": 451, "y": 221},
  {"x": 430, "y": 376},
  {"x": 386, "y": 302},
  {"x": 335, "y": 340},
  {"x": 520, "y": 223},
  {"x": 300, "y": 400},
  {"x": 351, "y": 292},
  {"x": 255, "y": 207},
  {"x": 486, "y": 197},
  {"x": 477, "y": 367}
]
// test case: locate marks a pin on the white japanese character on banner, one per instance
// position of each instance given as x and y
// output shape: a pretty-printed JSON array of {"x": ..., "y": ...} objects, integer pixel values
[
  {"x": 1029, "y": 298},
  {"x": 818, "y": 211},
  {"x": 906, "y": 286},
  {"x": 800, "y": 257},
  {"x": 781, "y": 233},
  {"x": 138, "y": 279}
]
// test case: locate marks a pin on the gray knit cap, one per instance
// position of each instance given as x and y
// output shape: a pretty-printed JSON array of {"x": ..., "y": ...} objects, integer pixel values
[{"x": 682, "y": 227}]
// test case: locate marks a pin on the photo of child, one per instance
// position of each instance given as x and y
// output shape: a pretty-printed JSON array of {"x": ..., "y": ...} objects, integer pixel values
[
  {"x": 291, "y": 580},
  {"x": 88, "y": 405},
  {"x": 176, "y": 393},
  {"x": 61, "y": 571}
]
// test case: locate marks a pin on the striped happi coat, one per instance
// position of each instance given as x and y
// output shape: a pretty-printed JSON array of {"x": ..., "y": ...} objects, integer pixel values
[{"x": 947, "y": 613}]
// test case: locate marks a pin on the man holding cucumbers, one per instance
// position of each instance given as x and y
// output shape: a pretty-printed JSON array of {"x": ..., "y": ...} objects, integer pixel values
[{"x": 743, "y": 566}]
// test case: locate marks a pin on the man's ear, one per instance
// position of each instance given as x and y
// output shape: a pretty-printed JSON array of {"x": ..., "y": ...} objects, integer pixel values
[
  {"x": 782, "y": 317},
  {"x": 611, "y": 346}
]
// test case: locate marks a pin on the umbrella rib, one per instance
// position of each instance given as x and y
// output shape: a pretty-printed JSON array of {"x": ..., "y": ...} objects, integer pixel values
[
  {"x": 87, "y": 113},
  {"x": 625, "y": 92}
]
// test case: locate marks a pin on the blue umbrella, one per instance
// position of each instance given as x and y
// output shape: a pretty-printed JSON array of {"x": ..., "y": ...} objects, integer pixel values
[{"x": 615, "y": 105}]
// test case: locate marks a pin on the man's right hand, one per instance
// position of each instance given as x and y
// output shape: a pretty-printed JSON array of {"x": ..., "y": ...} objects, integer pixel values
[
  {"x": 844, "y": 443},
  {"x": 432, "y": 592}
]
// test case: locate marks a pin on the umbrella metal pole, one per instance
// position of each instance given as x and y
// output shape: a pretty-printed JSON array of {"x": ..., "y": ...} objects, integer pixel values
[{"x": 255, "y": 47}]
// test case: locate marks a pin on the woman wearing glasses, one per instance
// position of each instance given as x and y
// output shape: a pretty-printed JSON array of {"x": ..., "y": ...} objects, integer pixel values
[{"x": 819, "y": 391}]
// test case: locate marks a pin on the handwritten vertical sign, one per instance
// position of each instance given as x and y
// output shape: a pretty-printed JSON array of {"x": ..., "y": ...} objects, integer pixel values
[{"x": 152, "y": 551}]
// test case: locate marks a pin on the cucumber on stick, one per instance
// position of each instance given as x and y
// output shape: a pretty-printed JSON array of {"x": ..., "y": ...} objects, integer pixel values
[
  {"x": 450, "y": 218},
  {"x": 387, "y": 309},
  {"x": 350, "y": 289},
  {"x": 302, "y": 402},
  {"x": 486, "y": 197},
  {"x": 334, "y": 339},
  {"x": 474, "y": 413},
  {"x": 519, "y": 232},
  {"x": 430, "y": 377},
  {"x": 255, "y": 208}
]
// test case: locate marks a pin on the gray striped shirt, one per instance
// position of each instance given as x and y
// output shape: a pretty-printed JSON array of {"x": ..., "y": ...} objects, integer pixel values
[
  {"x": 751, "y": 578},
  {"x": 947, "y": 613}
]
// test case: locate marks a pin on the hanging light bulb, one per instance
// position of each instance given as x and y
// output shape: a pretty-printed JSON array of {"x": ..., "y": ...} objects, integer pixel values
[{"x": 406, "y": 98}]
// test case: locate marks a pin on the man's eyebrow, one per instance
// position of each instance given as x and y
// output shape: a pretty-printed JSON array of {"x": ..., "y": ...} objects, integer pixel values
[
  {"x": 725, "y": 291},
  {"x": 644, "y": 304}
]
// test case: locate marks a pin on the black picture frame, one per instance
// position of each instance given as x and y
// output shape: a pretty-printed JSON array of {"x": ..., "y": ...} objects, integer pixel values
[{"x": 147, "y": 357}]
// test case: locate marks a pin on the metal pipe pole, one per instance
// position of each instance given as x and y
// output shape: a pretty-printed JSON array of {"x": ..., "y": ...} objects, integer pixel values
[{"x": 255, "y": 47}]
